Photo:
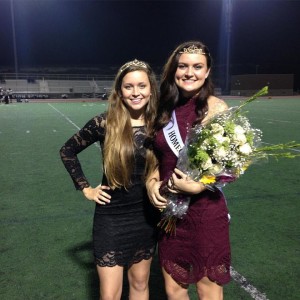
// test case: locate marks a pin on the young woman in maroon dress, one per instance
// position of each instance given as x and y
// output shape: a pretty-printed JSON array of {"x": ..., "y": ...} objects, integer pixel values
[{"x": 199, "y": 252}]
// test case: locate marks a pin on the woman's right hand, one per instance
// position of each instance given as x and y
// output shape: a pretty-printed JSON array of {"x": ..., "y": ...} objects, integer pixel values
[
  {"x": 153, "y": 193},
  {"x": 97, "y": 194}
]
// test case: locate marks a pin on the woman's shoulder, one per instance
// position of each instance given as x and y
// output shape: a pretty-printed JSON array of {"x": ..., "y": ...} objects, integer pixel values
[
  {"x": 215, "y": 102},
  {"x": 215, "y": 106},
  {"x": 100, "y": 119}
]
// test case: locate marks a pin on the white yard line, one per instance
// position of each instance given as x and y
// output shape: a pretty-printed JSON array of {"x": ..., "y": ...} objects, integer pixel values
[
  {"x": 63, "y": 115},
  {"x": 275, "y": 120},
  {"x": 244, "y": 284},
  {"x": 238, "y": 278},
  {"x": 69, "y": 120}
]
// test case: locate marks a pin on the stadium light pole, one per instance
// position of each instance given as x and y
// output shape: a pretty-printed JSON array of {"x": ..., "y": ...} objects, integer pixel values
[
  {"x": 228, "y": 13},
  {"x": 14, "y": 37}
]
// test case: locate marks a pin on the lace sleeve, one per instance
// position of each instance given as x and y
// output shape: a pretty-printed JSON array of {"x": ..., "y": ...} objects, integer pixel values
[{"x": 92, "y": 132}]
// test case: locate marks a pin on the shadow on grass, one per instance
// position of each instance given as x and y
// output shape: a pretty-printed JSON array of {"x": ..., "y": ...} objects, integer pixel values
[{"x": 81, "y": 254}]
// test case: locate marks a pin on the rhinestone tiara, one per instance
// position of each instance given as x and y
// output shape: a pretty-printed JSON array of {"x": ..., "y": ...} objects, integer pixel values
[
  {"x": 192, "y": 50},
  {"x": 136, "y": 63}
]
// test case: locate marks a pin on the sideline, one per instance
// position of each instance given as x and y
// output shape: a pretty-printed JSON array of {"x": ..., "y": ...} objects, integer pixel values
[
  {"x": 238, "y": 278},
  {"x": 63, "y": 115},
  {"x": 244, "y": 284},
  {"x": 69, "y": 120}
]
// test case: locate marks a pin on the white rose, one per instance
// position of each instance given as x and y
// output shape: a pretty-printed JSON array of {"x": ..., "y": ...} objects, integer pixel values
[
  {"x": 219, "y": 137},
  {"x": 245, "y": 149},
  {"x": 239, "y": 138},
  {"x": 216, "y": 169},
  {"x": 239, "y": 129},
  {"x": 220, "y": 153},
  {"x": 206, "y": 164},
  {"x": 217, "y": 128}
]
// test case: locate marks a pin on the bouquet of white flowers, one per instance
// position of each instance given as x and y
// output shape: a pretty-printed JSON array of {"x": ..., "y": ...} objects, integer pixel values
[{"x": 217, "y": 153}]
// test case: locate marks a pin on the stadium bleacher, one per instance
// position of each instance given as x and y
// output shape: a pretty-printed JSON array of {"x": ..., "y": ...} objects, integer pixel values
[{"x": 55, "y": 88}]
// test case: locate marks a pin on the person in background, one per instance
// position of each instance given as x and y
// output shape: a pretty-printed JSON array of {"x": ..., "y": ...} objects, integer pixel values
[
  {"x": 124, "y": 227},
  {"x": 6, "y": 96},
  {"x": 199, "y": 252},
  {"x": 10, "y": 95}
]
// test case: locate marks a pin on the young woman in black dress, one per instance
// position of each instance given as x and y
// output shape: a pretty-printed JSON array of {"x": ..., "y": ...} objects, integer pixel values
[{"x": 124, "y": 229}]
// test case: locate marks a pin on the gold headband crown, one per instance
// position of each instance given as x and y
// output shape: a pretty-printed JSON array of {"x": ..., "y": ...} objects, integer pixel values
[
  {"x": 192, "y": 50},
  {"x": 136, "y": 63}
]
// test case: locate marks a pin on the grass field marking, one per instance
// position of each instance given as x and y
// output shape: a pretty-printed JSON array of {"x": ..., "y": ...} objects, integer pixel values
[
  {"x": 275, "y": 120},
  {"x": 280, "y": 121},
  {"x": 244, "y": 284},
  {"x": 69, "y": 120},
  {"x": 63, "y": 115}
]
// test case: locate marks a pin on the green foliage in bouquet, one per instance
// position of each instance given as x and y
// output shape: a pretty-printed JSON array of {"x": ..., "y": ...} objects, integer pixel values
[
  {"x": 223, "y": 148},
  {"x": 217, "y": 153}
]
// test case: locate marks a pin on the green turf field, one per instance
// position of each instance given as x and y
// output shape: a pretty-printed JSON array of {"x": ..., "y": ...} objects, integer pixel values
[{"x": 46, "y": 224}]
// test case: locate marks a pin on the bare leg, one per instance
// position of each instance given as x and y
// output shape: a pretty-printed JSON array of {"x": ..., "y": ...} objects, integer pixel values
[
  {"x": 111, "y": 282},
  {"x": 138, "y": 278},
  {"x": 209, "y": 290},
  {"x": 174, "y": 290}
]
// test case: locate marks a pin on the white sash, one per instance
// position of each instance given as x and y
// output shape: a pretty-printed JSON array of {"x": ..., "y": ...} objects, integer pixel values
[{"x": 172, "y": 135}]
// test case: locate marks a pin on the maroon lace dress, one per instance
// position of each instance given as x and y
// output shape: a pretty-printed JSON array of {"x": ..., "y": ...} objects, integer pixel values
[
  {"x": 201, "y": 245},
  {"x": 124, "y": 231}
]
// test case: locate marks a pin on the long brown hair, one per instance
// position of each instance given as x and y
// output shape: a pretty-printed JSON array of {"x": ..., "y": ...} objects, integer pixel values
[
  {"x": 169, "y": 92},
  {"x": 118, "y": 154}
]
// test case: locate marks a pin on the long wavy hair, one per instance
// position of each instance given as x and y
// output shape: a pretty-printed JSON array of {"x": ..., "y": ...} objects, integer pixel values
[
  {"x": 118, "y": 154},
  {"x": 169, "y": 92}
]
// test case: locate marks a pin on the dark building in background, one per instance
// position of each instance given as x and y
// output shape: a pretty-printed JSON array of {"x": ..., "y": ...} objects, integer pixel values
[{"x": 248, "y": 84}]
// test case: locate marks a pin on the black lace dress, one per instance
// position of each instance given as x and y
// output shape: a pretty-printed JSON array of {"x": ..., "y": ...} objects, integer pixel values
[{"x": 124, "y": 231}]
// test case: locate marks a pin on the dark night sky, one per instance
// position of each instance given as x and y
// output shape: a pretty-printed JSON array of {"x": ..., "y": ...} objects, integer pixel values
[{"x": 264, "y": 33}]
